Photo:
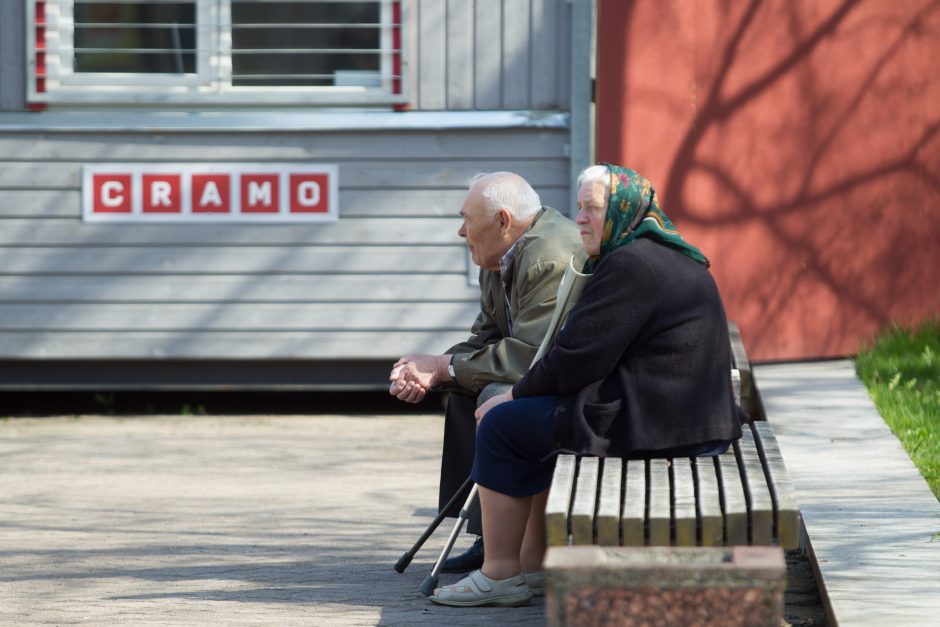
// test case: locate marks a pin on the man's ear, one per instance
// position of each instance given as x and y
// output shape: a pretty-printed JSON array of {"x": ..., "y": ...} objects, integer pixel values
[{"x": 504, "y": 219}]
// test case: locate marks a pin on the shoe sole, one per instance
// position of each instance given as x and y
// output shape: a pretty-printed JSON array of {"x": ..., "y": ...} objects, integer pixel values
[{"x": 515, "y": 600}]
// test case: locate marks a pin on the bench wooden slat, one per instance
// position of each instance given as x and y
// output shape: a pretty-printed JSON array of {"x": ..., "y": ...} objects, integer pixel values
[
  {"x": 786, "y": 510},
  {"x": 585, "y": 500},
  {"x": 741, "y": 363},
  {"x": 709, "y": 502},
  {"x": 634, "y": 504},
  {"x": 559, "y": 498},
  {"x": 683, "y": 490},
  {"x": 735, "y": 506},
  {"x": 608, "y": 506},
  {"x": 736, "y": 385},
  {"x": 758, "y": 493},
  {"x": 659, "y": 501}
]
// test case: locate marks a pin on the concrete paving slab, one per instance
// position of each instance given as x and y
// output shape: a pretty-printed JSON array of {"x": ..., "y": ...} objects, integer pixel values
[
  {"x": 872, "y": 521},
  {"x": 287, "y": 520}
]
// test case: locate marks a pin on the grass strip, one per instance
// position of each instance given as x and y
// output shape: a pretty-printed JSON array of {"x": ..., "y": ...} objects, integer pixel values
[{"x": 901, "y": 370}]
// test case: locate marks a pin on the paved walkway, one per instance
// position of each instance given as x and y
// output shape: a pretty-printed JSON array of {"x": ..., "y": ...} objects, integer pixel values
[
  {"x": 872, "y": 521},
  {"x": 222, "y": 521},
  {"x": 247, "y": 520}
]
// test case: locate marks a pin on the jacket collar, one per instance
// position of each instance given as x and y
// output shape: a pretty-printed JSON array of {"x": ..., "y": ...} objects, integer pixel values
[{"x": 505, "y": 262}]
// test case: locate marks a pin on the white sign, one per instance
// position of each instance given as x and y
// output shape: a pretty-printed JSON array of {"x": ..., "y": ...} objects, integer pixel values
[{"x": 172, "y": 192}]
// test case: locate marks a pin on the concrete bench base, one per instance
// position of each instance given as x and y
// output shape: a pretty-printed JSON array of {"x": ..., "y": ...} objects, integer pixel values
[{"x": 592, "y": 585}]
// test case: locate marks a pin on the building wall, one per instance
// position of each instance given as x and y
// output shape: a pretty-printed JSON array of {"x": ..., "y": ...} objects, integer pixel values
[
  {"x": 482, "y": 55},
  {"x": 797, "y": 143},
  {"x": 489, "y": 54},
  {"x": 391, "y": 277}
]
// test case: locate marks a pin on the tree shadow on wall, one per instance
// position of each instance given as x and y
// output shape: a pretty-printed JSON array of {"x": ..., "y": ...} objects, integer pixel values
[{"x": 811, "y": 161}]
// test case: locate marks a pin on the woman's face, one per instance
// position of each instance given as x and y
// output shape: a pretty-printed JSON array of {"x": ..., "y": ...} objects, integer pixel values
[{"x": 592, "y": 210}]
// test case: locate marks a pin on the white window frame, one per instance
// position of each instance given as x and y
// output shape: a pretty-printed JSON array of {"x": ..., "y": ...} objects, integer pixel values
[{"x": 211, "y": 84}]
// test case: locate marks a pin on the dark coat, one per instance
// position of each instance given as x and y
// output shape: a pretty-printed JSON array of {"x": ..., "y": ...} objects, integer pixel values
[{"x": 643, "y": 362}]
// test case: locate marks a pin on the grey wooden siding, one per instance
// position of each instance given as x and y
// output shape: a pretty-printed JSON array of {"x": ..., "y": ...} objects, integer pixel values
[
  {"x": 389, "y": 278},
  {"x": 489, "y": 54}
]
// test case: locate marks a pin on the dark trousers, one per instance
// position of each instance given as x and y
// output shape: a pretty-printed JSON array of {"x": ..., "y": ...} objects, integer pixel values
[{"x": 460, "y": 429}]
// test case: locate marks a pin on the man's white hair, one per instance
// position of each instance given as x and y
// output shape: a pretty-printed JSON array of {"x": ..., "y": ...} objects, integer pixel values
[
  {"x": 596, "y": 174},
  {"x": 506, "y": 190}
]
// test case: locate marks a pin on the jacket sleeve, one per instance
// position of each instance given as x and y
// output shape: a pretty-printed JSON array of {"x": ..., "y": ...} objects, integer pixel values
[
  {"x": 617, "y": 303},
  {"x": 484, "y": 330},
  {"x": 534, "y": 293}
]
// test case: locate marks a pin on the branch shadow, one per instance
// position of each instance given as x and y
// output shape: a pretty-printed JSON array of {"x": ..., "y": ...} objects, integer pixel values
[{"x": 809, "y": 167}]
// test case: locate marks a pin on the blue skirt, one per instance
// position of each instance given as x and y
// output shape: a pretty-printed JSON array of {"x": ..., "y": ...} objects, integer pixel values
[
  {"x": 513, "y": 441},
  {"x": 514, "y": 447}
]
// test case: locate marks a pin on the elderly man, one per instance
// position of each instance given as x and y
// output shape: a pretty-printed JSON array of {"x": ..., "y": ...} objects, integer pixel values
[{"x": 523, "y": 250}]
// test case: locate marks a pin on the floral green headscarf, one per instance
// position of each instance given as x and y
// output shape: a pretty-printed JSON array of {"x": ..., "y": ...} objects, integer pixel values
[{"x": 633, "y": 212}]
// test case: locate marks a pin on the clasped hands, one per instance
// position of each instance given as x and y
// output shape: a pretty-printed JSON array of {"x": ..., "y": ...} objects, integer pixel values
[{"x": 413, "y": 375}]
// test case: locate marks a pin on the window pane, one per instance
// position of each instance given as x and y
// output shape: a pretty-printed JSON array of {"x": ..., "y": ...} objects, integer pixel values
[
  {"x": 295, "y": 43},
  {"x": 126, "y": 37}
]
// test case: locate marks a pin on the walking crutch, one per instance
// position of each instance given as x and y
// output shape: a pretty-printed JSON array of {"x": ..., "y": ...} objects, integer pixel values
[
  {"x": 407, "y": 556},
  {"x": 430, "y": 582}
]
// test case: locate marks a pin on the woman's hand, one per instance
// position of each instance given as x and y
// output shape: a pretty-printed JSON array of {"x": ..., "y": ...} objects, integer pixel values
[{"x": 499, "y": 399}]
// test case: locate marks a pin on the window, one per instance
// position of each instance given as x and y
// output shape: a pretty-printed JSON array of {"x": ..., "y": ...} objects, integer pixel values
[{"x": 215, "y": 51}]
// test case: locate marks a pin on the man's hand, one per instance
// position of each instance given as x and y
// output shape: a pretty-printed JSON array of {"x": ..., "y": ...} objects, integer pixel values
[
  {"x": 407, "y": 391},
  {"x": 413, "y": 375},
  {"x": 499, "y": 399}
]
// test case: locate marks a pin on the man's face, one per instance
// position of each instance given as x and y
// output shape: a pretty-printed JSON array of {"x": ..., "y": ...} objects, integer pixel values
[
  {"x": 592, "y": 211},
  {"x": 482, "y": 232}
]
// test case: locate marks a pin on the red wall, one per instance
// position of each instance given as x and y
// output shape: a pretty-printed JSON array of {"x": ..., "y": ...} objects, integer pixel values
[{"x": 797, "y": 142}]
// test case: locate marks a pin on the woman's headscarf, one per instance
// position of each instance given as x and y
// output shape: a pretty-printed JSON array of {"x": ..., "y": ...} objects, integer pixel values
[{"x": 633, "y": 212}]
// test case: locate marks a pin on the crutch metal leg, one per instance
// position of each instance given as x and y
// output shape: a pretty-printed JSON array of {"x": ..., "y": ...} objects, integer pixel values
[
  {"x": 430, "y": 582},
  {"x": 407, "y": 556}
]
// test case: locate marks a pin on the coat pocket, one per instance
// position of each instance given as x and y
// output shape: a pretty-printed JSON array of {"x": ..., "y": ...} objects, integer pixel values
[{"x": 600, "y": 416}]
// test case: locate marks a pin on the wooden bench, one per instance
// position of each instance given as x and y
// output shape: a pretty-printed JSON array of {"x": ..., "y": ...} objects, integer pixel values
[{"x": 741, "y": 497}]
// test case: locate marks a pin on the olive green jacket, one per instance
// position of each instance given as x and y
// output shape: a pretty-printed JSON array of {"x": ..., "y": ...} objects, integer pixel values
[{"x": 492, "y": 353}]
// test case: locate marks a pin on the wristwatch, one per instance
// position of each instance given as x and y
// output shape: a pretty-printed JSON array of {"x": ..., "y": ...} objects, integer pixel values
[{"x": 450, "y": 368}]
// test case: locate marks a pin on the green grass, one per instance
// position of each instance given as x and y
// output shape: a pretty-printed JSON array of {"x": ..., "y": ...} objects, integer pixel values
[{"x": 901, "y": 370}]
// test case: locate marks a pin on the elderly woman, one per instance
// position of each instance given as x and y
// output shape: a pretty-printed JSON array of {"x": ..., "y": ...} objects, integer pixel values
[{"x": 640, "y": 369}]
